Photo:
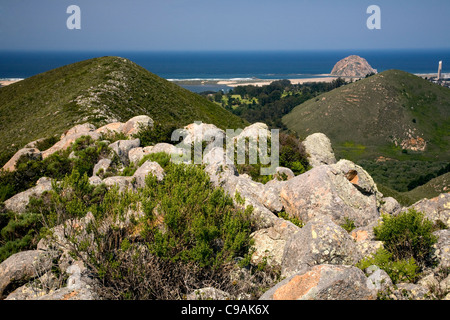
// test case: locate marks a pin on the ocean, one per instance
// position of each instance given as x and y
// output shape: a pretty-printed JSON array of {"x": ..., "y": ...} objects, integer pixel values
[{"x": 215, "y": 66}]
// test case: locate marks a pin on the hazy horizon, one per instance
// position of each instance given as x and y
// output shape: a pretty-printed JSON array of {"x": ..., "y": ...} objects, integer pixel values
[{"x": 223, "y": 26}]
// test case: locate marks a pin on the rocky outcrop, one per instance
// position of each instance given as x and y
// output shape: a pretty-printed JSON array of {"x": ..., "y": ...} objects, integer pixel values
[
  {"x": 341, "y": 191},
  {"x": 148, "y": 167},
  {"x": 442, "y": 248},
  {"x": 352, "y": 66},
  {"x": 122, "y": 147},
  {"x": 378, "y": 279},
  {"x": 22, "y": 267},
  {"x": 317, "y": 258},
  {"x": 128, "y": 128},
  {"x": 320, "y": 241},
  {"x": 436, "y": 209},
  {"x": 323, "y": 282},
  {"x": 70, "y": 137},
  {"x": 19, "y": 202},
  {"x": 32, "y": 153},
  {"x": 318, "y": 148},
  {"x": 270, "y": 243}
]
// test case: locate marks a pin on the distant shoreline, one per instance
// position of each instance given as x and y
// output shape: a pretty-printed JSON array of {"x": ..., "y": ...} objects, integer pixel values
[
  {"x": 245, "y": 82},
  {"x": 4, "y": 83}
]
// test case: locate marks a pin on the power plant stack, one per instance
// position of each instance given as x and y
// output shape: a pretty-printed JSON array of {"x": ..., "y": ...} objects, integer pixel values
[{"x": 439, "y": 71}]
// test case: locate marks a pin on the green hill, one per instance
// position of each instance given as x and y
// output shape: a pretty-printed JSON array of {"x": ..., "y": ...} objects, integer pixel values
[
  {"x": 392, "y": 114},
  {"x": 98, "y": 91},
  {"x": 429, "y": 190}
]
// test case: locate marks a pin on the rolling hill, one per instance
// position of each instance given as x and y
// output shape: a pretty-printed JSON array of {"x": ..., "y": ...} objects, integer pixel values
[
  {"x": 99, "y": 91},
  {"x": 393, "y": 114}
]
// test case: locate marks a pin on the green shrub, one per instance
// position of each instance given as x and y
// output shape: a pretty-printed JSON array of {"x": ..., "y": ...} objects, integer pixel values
[
  {"x": 28, "y": 171},
  {"x": 202, "y": 225},
  {"x": 349, "y": 225},
  {"x": 162, "y": 158},
  {"x": 408, "y": 235},
  {"x": 159, "y": 133},
  {"x": 190, "y": 236},
  {"x": 18, "y": 233},
  {"x": 296, "y": 221},
  {"x": 405, "y": 270}
]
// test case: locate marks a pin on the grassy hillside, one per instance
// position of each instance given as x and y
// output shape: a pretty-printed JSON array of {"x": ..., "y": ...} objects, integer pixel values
[
  {"x": 429, "y": 190},
  {"x": 98, "y": 91},
  {"x": 373, "y": 117}
]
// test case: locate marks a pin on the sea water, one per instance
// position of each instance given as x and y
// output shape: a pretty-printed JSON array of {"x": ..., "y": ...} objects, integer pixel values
[{"x": 216, "y": 66}]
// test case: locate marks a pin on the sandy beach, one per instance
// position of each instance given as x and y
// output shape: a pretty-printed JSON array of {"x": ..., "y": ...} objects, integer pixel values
[
  {"x": 259, "y": 82},
  {"x": 4, "y": 83}
]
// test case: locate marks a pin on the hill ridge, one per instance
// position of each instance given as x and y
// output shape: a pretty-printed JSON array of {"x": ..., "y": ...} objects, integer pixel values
[
  {"x": 99, "y": 91},
  {"x": 381, "y": 115}
]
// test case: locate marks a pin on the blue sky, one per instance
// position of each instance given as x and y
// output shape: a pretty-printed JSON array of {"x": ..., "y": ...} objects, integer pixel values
[{"x": 196, "y": 25}]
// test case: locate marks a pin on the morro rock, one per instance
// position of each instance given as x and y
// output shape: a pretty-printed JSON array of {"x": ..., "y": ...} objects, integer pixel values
[{"x": 352, "y": 66}]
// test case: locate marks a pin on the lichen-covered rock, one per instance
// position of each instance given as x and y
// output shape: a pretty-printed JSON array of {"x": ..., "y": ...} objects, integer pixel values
[
  {"x": 133, "y": 125},
  {"x": 203, "y": 132},
  {"x": 32, "y": 153},
  {"x": 318, "y": 148},
  {"x": 66, "y": 293},
  {"x": 101, "y": 166},
  {"x": 135, "y": 155},
  {"x": 378, "y": 279},
  {"x": 442, "y": 248},
  {"x": 342, "y": 191},
  {"x": 269, "y": 244},
  {"x": 122, "y": 147},
  {"x": 148, "y": 167},
  {"x": 18, "y": 203},
  {"x": 111, "y": 128},
  {"x": 208, "y": 293},
  {"x": 435, "y": 209},
  {"x": 21, "y": 267},
  {"x": 283, "y": 174},
  {"x": 390, "y": 206},
  {"x": 122, "y": 182},
  {"x": 410, "y": 291},
  {"x": 323, "y": 282},
  {"x": 320, "y": 241},
  {"x": 70, "y": 137}
]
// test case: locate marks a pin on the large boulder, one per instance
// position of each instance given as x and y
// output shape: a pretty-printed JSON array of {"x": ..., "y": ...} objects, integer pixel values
[
  {"x": 378, "y": 279},
  {"x": 435, "y": 209},
  {"x": 122, "y": 182},
  {"x": 111, "y": 128},
  {"x": 199, "y": 132},
  {"x": 320, "y": 241},
  {"x": 135, "y": 155},
  {"x": 71, "y": 136},
  {"x": 352, "y": 66},
  {"x": 122, "y": 147},
  {"x": 318, "y": 148},
  {"x": 18, "y": 203},
  {"x": 323, "y": 282},
  {"x": 133, "y": 125},
  {"x": 32, "y": 153},
  {"x": 22, "y": 267},
  {"x": 269, "y": 244},
  {"x": 101, "y": 166},
  {"x": 148, "y": 167},
  {"x": 342, "y": 191}
]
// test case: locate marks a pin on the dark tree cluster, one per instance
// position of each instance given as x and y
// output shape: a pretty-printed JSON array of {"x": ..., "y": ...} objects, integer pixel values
[{"x": 270, "y": 103}]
